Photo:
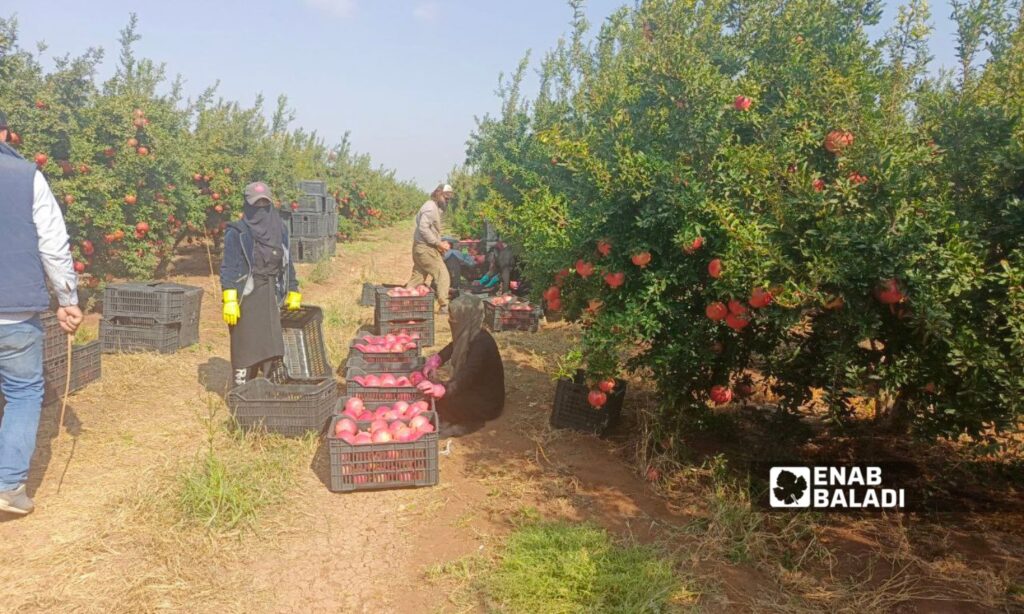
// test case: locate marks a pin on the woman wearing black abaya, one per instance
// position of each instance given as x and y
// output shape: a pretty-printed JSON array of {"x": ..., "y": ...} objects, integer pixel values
[
  {"x": 256, "y": 276},
  {"x": 476, "y": 391}
]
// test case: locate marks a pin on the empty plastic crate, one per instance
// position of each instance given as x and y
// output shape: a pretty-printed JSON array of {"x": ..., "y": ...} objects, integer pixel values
[
  {"x": 311, "y": 250},
  {"x": 86, "y": 367},
  {"x": 390, "y": 394},
  {"x": 289, "y": 409},
  {"x": 309, "y": 203},
  {"x": 313, "y": 225},
  {"x": 128, "y": 335},
  {"x": 305, "y": 354},
  {"x": 395, "y": 308},
  {"x": 572, "y": 410},
  {"x": 314, "y": 187},
  {"x": 55, "y": 340},
  {"x": 500, "y": 318},
  {"x": 382, "y": 465},
  {"x": 167, "y": 303},
  {"x": 425, "y": 328}
]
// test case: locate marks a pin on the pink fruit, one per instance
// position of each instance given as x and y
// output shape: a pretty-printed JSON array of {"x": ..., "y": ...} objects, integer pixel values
[
  {"x": 354, "y": 404},
  {"x": 348, "y": 438},
  {"x": 403, "y": 433},
  {"x": 390, "y": 415},
  {"x": 352, "y": 414},
  {"x": 715, "y": 268},
  {"x": 372, "y": 381},
  {"x": 597, "y": 399},
  {"x": 409, "y": 345},
  {"x": 365, "y": 416},
  {"x": 419, "y": 421},
  {"x": 426, "y": 428},
  {"x": 382, "y": 436},
  {"x": 400, "y": 407},
  {"x": 721, "y": 395},
  {"x": 415, "y": 435},
  {"x": 395, "y": 425},
  {"x": 403, "y": 382},
  {"x": 378, "y": 424},
  {"x": 716, "y": 311},
  {"x": 363, "y": 438},
  {"x": 387, "y": 380},
  {"x": 390, "y": 339},
  {"x": 345, "y": 426},
  {"x": 415, "y": 378}
]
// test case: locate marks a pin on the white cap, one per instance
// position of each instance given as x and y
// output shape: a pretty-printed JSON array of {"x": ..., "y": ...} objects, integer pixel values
[{"x": 447, "y": 188}]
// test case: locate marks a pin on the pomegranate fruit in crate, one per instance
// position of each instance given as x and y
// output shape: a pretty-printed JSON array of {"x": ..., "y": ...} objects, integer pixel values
[
  {"x": 388, "y": 380},
  {"x": 401, "y": 342},
  {"x": 401, "y": 422},
  {"x": 420, "y": 290}
]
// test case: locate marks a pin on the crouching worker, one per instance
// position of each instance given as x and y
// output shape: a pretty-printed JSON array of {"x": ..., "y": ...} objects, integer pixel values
[
  {"x": 257, "y": 275},
  {"x": 501, "y": 268},
  {"x": 476, "y": 391},
  {"x": 457, "y": 263}
]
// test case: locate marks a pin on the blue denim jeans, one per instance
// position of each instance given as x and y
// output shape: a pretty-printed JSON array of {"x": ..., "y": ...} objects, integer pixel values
[{"x": 21, "y": 379}]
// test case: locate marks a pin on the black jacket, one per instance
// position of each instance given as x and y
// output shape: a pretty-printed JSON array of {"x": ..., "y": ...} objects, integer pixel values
[
  {"x": 476, "y": 392},
  {"x": 236, "y": 268}
]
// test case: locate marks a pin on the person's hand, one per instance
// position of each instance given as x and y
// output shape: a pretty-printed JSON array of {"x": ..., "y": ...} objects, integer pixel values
[
  {"x": 433, "y": 363},
  {"x": 232, "y": 310},
  {"x": 293, "y": 301},
  {"x": 70, "y": 318},
  {"x": 432, "y": 390}
]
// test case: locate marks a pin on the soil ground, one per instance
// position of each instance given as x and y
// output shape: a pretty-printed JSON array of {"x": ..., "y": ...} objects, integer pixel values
[{"x": 105, "y": 538}]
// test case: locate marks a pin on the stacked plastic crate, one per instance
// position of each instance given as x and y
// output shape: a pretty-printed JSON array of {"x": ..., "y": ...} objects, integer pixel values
[
  {"x": 384, "y": 433},
  {"x": 313, "y": 223},
  {"x": 150, "y": 317},
  {"x": 85, "y": 364},
  {"x": 298, "y": 398},
  {"x": 395, "y": 312}
]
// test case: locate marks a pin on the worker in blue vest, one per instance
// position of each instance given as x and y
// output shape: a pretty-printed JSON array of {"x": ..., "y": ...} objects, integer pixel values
[{"x": 34, "y": 247}]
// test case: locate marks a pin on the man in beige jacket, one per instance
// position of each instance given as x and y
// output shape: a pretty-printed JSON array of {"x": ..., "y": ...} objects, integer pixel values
[{"x": 428, "y": 248}]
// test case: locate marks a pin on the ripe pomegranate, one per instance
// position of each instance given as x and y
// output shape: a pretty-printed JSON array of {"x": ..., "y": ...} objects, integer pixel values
[
  {"x": 87, "y": 247},
  {"x": 218, "y": 208},
  {"x": 741, "y": 103},
  {"x": 69, "y": 199},
  {"x": 614, "y": 280},
  {"x": 133, "y": 142},
  {"x": 857, "y": 179},
  {"x": 759, "y": 298},
  {"x": 597, "y": 399},
  {"x": 207, "y": 178},
  {"x": 109, "y": 152},
  {"x": 584, "y": 269},
  {"x": 737, "y": 308},
  {"x": 142, "y": 227},
  {"x": 295, "y": 206},
  {"x": 716, "y": 311},
  {"x": 79, "y": 267},
  {"x": 138, "y": 122},
  {"x": 604, "y": 247},
  {"x": 215, "y": 196},
  {"x": 737, "y": 322},
  {"x": 142, "y": 151},
  {"x": 838, "y": 140},
  {"x": 888, "y": 292},
  {"x": 721, "y": 395},
  {"x": 606, "y": 385},
  {"x": 641, "y": 259},
  {"x": 694, "y": 246},
  {"x": 40, "y": 104},
  {"x": 715, "y": 268},
  {"x": 130, "y": 199},
  {"x": 818, "y": 185},
  {"x": 41, "y": 160},
  {"x": 555, "y": 304}
]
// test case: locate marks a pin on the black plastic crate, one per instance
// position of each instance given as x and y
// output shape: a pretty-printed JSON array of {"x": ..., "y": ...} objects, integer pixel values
[
  {"x": 389, "y": 394},
  {"x": 311, "y": 250},
  {"x": 500, "y": 318},
  {"x": 424, "y": 327},
  {"x": 128, "y": 335},
  {"x": 167, "y": 303},
  {"x": 313, "y": 225},
  {"x": 313, "y": 187},
  {"x": 356, "y": 365},
  {"x": 310, "y": 203},
  {"x": 396, "y": 308},
  {"x": 573, "y": 411},
  {"x": 55, "y": 340},
  {"x": 369, "y": 296},
  {"x": 86, "y": 367},
  {"x": 289, "y": 409},
  {"x": 305, "y": 353},
  {"x": 379, "y": 466}
]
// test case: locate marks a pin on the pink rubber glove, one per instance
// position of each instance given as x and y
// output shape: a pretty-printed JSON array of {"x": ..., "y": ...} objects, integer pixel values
[
  {"x": 438, "y": 391},
  {"x": 425, "y": 387},
  {"x": 430, "y": 369}
]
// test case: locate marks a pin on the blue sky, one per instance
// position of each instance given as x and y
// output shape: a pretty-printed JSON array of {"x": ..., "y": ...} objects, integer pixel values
[{"x": 406, "y": 77}]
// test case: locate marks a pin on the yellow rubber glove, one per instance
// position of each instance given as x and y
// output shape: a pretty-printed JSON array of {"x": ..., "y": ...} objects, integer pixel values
[
  {"x": 293, "y": 301},
  {"x": 232, "y": 310}
]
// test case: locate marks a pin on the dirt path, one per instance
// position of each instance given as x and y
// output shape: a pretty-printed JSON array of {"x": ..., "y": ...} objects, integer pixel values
[{"x": 107, "y": 541}]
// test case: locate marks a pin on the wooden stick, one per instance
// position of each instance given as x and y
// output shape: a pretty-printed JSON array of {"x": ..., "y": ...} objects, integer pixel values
[
  {"x": 209, "y": 257},
  {"x": 64, "y": 407}
]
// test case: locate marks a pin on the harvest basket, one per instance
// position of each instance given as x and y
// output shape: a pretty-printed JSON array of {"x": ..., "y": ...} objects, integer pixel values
[{"x": 573, "y": 411}]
